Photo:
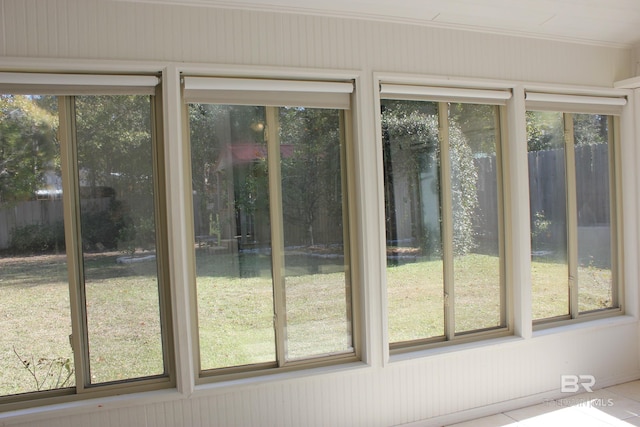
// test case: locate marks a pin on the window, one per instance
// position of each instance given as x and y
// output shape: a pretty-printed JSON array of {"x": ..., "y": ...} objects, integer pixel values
[
  {"x": 83, "y": 297},
  {"x": 572, "y": 189},
  {"x": 443, "y": 213},
  {"x": 269, "y": 172}
]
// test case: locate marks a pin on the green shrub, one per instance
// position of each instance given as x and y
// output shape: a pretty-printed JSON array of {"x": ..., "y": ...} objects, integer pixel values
[
  {"x": 101, "y": 229},
  {"x": 37, "y": 238}
]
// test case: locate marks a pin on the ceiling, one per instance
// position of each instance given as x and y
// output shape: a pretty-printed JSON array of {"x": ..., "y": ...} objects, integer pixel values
[{"x": 608, "y": 22}]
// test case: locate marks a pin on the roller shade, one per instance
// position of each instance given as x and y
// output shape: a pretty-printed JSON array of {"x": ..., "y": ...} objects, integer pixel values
[
  {"x": 276, "y": 93},
  {"x": 76, "y": 84},
  {"x": 540, "y": 101},
  {"x": 444, "y": 94}
]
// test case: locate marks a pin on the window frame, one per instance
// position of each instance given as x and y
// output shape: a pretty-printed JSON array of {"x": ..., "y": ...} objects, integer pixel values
[
  {"x": 612, "y": 107},
  {"x": 443, "y": 96},
  {"x": 271, "y": 94},
  {"x": 65, "y": 87}
]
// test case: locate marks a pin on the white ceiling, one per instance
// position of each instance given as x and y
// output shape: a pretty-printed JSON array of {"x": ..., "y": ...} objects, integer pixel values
[{"x": 609, "y": 22}]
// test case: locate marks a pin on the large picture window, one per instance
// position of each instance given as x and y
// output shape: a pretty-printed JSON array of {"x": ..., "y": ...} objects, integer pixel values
[
  {"x": 443, "y": 216},
  {"x": 573, "y": 215},
  {"x": 271, "y": 228},
  {"x": 82, "y": 289}
]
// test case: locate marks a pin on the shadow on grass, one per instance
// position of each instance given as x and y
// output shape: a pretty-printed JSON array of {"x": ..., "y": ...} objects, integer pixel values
[{"x": 45, "y": 269}]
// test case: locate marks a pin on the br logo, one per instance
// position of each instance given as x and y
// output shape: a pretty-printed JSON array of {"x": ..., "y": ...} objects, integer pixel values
[{"x": 572, "y": 383}]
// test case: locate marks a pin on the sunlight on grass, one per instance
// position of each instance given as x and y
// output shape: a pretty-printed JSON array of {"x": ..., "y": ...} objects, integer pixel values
[
  {"x": 415, "y": 301},
  {"x": 35, "y": 321},
  {"x": 235, "y": 321},
  {"x": 595, "y": 288},
  {"x": 317, "y": 321},
  {"x": 549, "y": 289},
  {"x": 477, "y": 292},
  {"x": 416, "y": 304},
  {"x": 235, "y": 315},
  {"x": 124, "y": 328},
  {"x": 122, "y": 311}
]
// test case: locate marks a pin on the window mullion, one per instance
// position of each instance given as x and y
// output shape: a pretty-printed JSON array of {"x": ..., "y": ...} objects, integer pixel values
[
  {"x": 277, "y": 232},
  {"x": 161, "y": 226},
  {"x": 71, "y": 202},
  {"x": 572, "y": 215},
  {"x": 345, "y": 131},
  {"x": 447, "y": 220},
  {"x": 500, "y": 127},
  {"x": 615, "y": 191}
]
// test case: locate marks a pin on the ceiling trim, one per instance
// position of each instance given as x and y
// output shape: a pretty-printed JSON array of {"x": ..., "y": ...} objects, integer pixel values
[{"x": 226, "y": 4}]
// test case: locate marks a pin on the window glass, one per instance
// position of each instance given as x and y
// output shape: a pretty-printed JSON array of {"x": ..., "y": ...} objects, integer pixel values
[
  {"x": 272, "y": 286},
  {"x": 116, "y": 176},
  {"x": 412, "y": 219},
  {"x": 548, "y": 204},
  {"x": 317, "y": 290},
  {"x": 35, "y": 321},
  {"x": 442, "y": 279},
  {"x": 571, "y": 232},
  {"x": 591, "y": 133},
  {"x": 476, "y": 229},
  {"x": 232, "y": 235}
]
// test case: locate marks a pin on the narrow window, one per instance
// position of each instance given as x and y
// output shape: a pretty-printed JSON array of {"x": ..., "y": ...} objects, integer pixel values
[
  {"x": 443, "y": 218},
  {"x": 270, "y": 229},
  {"x": 573, "y": 236},
  {"x": 548, "y": 204},
  {"x": 35, "y": 313},
  {"x": 118, "y": 234},
  {"x": 83, "y": 291}
]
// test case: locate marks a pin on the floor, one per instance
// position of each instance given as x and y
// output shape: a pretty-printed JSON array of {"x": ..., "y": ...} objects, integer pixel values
[{"x": 613, "y": 406}]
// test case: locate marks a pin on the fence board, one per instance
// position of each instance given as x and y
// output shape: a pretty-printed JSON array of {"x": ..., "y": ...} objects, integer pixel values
[{"x": 546, "y": 188}]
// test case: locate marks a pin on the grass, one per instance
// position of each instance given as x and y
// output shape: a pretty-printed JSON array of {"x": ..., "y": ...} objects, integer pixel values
[
  {"x": 416, "y": 297},
  {"x": 235, "y": 310},
  {"x": 34, "y": 318},
  {"x": 416, "y": 301},
  {"x": 122, "y": 315},
  {"x": 235, "y": 313}
]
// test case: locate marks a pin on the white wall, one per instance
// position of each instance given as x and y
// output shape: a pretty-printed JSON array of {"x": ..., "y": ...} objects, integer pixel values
[{"x": 437, "y": 386}]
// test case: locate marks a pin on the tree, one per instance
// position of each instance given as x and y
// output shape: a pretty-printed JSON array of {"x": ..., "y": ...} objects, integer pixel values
[
  {"x": 28, "y": 146},
  {"x": 411, "y": 134},
  {"x": 311, "y": 170},
  {"x": 227, "y": 192},
  {"x": 478, "y": 125},
  {"x": 545, "y": 130},
  {"x": 590, "y": 129},
  {"x": 115, "y": 165},
  {"x": 114, "y": 143}
]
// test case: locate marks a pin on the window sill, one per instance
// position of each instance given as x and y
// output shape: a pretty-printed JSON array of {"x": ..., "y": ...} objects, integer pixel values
[
  {"x": 444, "y": 349},
  {"x": 449, "y": 347},
  {"x": 98, "y": 404},
  {"x": 211, "y": 385},
  {"x": 613, "y": 319},
  {"x": 38, "y": 413}
]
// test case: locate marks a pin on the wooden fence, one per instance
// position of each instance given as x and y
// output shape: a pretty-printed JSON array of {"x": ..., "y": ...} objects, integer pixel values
[{"x": 546, "y": 188}]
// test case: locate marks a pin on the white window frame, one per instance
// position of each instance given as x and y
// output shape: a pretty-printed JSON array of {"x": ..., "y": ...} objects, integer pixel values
[
  {"x": 443, "y": 95},
  {"x": 270, "y": 93},
  {"x": 611, "y": 106},
  {"x": 65, "y": 87}
]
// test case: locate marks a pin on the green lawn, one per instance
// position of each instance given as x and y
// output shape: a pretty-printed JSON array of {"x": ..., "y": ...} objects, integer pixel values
[
  {"x": 235, "y": 314},
  {"x": 122, "y": 313}
]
